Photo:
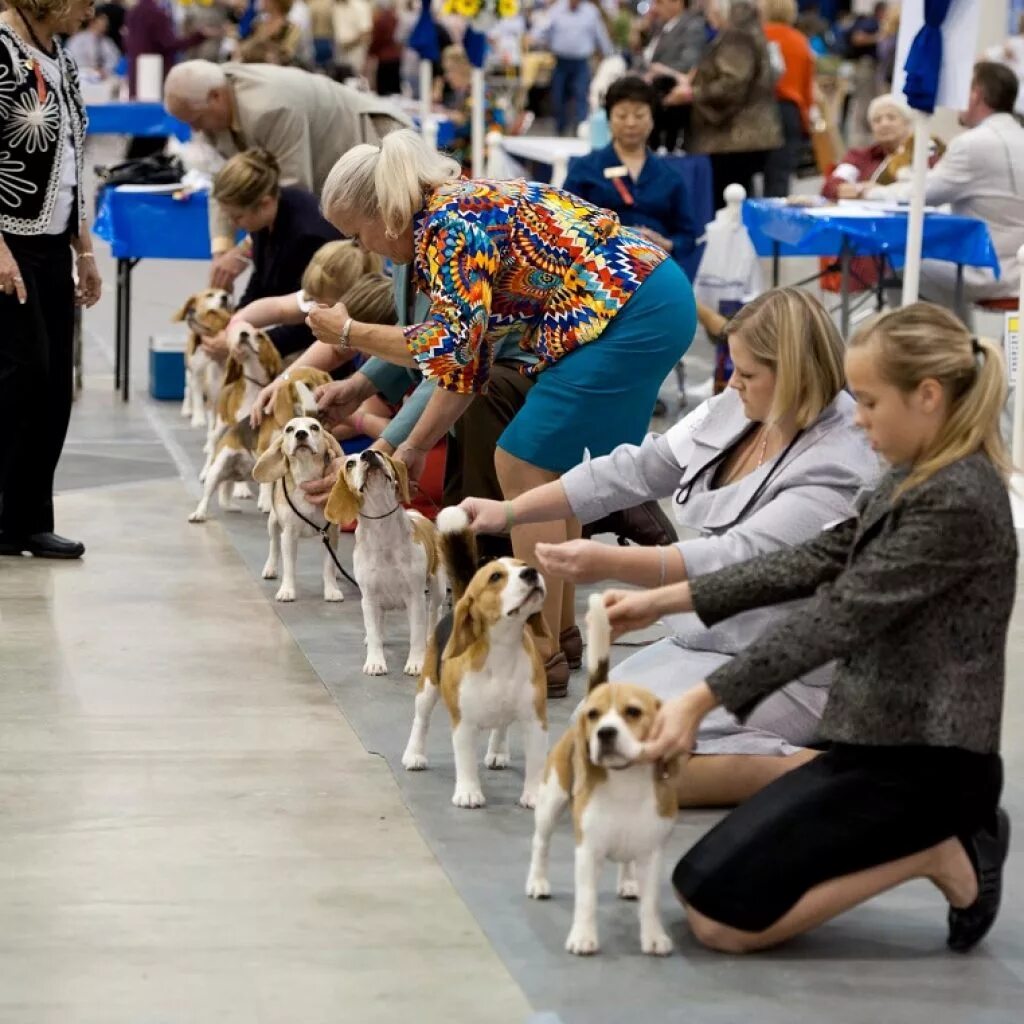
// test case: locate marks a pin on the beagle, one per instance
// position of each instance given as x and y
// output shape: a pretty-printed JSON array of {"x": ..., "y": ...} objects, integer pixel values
[
  {"x": 397, "y": 561},
  {"x": 206, "y": 312},
  {"x": 252, "y": 363},
  {"x": 301, "y": 452},
  {"x": 623, "y": 810},
  {"x": 484, "y": 661}
]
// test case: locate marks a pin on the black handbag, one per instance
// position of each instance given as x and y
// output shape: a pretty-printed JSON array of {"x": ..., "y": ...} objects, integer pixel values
[{"x": 159, "y": 169}]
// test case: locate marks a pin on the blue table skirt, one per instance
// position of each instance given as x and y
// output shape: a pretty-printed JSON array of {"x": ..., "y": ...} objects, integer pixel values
[
  {"x": 153, "y": 225},
  {"x": 148, "y": 120},
  {"x": 799, "y": 233}
]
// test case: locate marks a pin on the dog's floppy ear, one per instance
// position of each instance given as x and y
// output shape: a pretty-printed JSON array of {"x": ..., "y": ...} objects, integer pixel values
[
  {"x": 283, "y": 404},
  {"x": 232, "y": 371},
  {"x": 269, "y": 356},
  {"x": 186, "y": 311},
  {"x": 401, "y": 480},
  {"x": 343, "y": 505},
  {"x": 467, "y": 627},
  {"x": 272, "y": 464},
  {"x": 334, "y": 449},
  {"x": 538, "y": 626}
]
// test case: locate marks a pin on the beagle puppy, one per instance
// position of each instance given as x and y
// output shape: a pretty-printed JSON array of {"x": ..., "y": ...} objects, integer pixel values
[
  {"x": 485, "y": 663},
  {"x": 206, "y": 312},
  {"x": 397, "y": 561},
  {"x": 252, "y": 363},
  {"x": 623, "y": 810},
  {"x": 301, "y": 452}
]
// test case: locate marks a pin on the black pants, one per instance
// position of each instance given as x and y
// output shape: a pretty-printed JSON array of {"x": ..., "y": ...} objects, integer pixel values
[
  {"x": 781, "y": 163},
  {"x": 738, "y": 168},
  {"x": 36, "y": 381}
]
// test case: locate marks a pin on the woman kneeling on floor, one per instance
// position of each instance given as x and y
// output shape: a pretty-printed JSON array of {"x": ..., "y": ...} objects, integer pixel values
[
  {"x": 912, "y": 598},
  {"x": 764, "y": 466}
]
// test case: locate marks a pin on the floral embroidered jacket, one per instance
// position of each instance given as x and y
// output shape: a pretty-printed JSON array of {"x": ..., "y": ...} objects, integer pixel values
[
  {"x": 517, "y": 260},
  {"x": 33, "y": 127}
]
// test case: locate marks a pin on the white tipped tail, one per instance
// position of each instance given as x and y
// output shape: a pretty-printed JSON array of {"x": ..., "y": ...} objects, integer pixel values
[
  {"x": 452, "y": 520},
  {"x": 599, "y": 639}
]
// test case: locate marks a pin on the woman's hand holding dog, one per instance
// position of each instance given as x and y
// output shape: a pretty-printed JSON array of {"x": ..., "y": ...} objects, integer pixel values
[
  {"x": 327, "y": 322},
  {"x": 318, "y": 491},
  {"x": 675, "y": 728},
  {"x": 630, "y": 610},
  {"x": 339, "y": 399}
]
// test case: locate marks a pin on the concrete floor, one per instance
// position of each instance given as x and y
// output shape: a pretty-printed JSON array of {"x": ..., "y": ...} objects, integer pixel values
[{"x": 203, "y": 817}]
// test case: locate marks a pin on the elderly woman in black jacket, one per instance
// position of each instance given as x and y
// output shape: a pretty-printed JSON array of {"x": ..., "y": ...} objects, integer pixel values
[
  {"x": 42, "y": 218},
  {"x": 912, "y": 598}
]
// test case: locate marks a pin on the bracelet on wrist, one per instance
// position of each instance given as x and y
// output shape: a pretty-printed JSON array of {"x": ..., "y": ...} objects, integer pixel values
[
  {"x": 86, "y": 256},
  {"x": 343, "y": 338},
  {"x": 510, "y": 516}
]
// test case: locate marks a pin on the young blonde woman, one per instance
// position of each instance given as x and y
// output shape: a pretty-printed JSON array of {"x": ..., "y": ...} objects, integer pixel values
[
  {"x": 764, "y": 466},
  {"x": 912, "y": 598}
]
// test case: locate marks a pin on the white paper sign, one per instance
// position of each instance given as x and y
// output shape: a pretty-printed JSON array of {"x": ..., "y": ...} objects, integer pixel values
[
  {"x": 959, "y": 47},
  {"x": 1011, "y": 347}
]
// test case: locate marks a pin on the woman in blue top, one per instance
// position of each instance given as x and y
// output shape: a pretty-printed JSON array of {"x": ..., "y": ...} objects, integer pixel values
[{"x": 630, "y": 180}]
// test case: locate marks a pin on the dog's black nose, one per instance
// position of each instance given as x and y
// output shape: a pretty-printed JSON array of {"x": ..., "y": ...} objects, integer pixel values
[
  {"x": 607, "y": 733},
  {"x": 301, "y": 435},
  {"x": 529, "y": 575}
]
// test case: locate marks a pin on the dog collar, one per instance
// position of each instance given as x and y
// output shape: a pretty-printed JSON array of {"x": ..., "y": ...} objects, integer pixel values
[{"x": 363, "y": 515}]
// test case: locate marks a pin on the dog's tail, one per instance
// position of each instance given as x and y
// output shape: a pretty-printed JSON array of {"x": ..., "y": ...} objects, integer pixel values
[
  {"x": 599, "y": 642},
  {"x": 458, "y": 545},
  {"x": 307, "y": 403}
]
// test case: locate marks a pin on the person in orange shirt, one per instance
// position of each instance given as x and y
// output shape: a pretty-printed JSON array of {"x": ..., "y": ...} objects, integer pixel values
[{"x": 794, "y": 90}]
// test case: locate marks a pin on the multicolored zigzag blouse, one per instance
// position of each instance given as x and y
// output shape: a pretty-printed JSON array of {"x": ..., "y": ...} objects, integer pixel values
[{"x": 505, "y": 260}]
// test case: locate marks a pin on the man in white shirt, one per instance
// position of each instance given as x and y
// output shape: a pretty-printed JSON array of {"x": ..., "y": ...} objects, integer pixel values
[{"x": 981, "y": 175}]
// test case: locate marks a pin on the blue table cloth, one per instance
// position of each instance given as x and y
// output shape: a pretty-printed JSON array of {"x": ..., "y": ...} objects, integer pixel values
[
  {"x": 153, "y": 225},
  {"x": 799, "y": 232},
  {"x": 148, "y": 120}
]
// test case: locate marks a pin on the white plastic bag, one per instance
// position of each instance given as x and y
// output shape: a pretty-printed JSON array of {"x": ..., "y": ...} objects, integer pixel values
[{"x": 729, "y": 271}]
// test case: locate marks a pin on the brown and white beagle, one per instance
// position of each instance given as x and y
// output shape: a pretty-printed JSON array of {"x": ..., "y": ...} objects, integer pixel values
[
  {"x": 484, "y": 662},
  {"x": 396, "y": 560},
  {"x": 623, "y": 809},
  {"x": 301, "y": 452},
  {"x": 206, "y": 313}
]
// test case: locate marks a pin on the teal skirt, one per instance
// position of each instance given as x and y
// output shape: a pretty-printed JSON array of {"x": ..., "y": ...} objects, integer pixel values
[{"x": 602, "y": 394}]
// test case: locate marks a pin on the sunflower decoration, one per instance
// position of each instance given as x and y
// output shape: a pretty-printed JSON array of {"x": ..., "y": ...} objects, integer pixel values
[
  {"x": 507, "y": 8},
  {"x": 464, "y": 8}
]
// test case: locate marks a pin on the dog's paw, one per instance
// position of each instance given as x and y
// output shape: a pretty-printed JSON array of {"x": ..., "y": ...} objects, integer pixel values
[
  {"x": 285, "y": 594},
  {"x": 582, "y": 941},
  {"x": 263, "y": 506},
  {"x": 241, "y": 491},
  {"x": 270, "y": 572},
  {"x": 198, "y": 421},
  {"x": 413, "y": 667},
  {"x": 538, "y": 888},
  {"x": 413, "y": 762},
  {"x": 197, "y": 517},
  {"x": 628, "y": 889},
  {"x": 375, "y": 666},
  {"x": 333, "y": 594},
  {"x": 202, "y": 475},
  {"x": 497, "y": 761},
  {"x": 528, "y": 800},
  {"x": 466, "y": 797},
  {"x": 656, "y": 943}
]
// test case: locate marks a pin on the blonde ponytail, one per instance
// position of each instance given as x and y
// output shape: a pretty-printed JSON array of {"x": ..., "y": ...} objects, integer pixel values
[
  {"x": 387, "y": 181},
  {"x": 924, "y": 341}
]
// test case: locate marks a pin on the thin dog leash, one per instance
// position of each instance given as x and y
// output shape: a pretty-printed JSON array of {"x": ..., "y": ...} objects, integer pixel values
[{"x": 322, "y": 531}]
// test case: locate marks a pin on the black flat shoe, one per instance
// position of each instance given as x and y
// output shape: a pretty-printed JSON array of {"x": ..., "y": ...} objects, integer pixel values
[
  {"x": 42, "y": 545},
  {"x": 987, "y": 851}
]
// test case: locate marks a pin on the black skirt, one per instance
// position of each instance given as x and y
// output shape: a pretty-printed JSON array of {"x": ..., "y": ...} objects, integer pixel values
[{"x": 851, "y": 808}]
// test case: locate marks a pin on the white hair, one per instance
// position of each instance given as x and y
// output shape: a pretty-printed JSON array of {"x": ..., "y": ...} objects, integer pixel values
[
  {"x": 387, "y": 181},
  {"x": 194, "y": 80},
  {"x": 893, "y": 102}
]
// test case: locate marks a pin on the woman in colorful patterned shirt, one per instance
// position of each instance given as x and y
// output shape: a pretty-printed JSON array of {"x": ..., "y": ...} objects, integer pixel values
[{"x": 606, "y": 313}]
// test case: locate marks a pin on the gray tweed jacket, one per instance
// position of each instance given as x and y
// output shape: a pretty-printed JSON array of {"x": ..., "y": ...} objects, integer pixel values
[{"x": 913, "y": 599}]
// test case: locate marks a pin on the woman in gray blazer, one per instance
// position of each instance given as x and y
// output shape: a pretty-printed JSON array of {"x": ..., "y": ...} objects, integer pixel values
[
  {"x": 912, "y": 599},
  {"x": 764, "y": 466}
]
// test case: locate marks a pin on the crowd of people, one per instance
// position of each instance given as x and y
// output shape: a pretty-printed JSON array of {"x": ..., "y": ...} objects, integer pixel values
[{"x": 835, "y": 665}]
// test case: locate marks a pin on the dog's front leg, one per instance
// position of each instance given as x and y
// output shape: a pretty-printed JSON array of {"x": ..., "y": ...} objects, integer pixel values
[
  {"x": 551, "y": 802},
  {"x": 468, "y": 792},
  {"x": 274, "y": 532},
  {"x": 210, "y": 484},
  {"x": 265, "y": 501},
  {"x": 497, "y": 756},
  {"x": 417, "y": 632},
  {"x": 186, "y": 401},
  {"x": 225, "y": 496},
  {"x": 242, "y": 491},
  {"x": 583, "y": 937},
  {"x": 289, "y": 552},
  {"x": 535, "y": 738},
  {"x": 373, "y": 621},
  {"x": 653, "y": 937},
  {"x": 415, "y": 757},
  {"x": 627, "y": 887},
  {"x": 332, "y": 592}
]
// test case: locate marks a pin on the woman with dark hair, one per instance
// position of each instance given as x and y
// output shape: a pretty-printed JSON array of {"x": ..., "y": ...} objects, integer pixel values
[{"x": 631, "y": 181}]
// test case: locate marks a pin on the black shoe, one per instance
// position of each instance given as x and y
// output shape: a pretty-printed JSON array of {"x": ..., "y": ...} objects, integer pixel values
[
  {"x": 987, "y": 851},
  {"x": 42, "y": 545}
]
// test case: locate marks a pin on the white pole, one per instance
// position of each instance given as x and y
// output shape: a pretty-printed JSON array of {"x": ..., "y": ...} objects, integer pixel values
[
  {"x": 915, "y": 222},
  {"x": 1017, "y": 449},
  {"x": 426, "y": 94},
  {"x": 478, "y": 124}
]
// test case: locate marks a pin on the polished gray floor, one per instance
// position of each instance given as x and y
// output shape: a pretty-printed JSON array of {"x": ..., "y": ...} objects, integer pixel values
[{"x": 203, "y": 816}]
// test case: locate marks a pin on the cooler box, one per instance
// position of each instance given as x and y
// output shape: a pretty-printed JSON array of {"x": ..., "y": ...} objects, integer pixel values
[{"x": 167, "y": 367}]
